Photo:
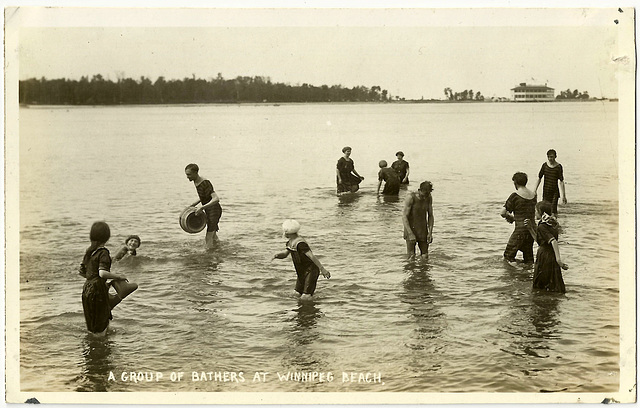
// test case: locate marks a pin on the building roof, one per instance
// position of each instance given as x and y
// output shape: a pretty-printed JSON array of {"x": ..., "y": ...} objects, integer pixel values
[{"x": 524, "y": 87}]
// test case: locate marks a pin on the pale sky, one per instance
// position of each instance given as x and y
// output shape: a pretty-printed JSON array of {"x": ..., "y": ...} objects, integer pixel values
[{"x": 411, "y": 53}]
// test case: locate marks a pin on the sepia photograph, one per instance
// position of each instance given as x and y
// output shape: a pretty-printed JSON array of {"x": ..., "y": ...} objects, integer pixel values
[{"x": 328, "y": 205}]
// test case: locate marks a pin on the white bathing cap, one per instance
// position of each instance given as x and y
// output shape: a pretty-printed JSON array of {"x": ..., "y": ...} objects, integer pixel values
[{"x": 290, "y": 226}]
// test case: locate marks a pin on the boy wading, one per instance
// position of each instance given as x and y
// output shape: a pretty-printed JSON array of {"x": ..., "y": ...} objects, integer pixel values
[{"x": 417, "y": 218}]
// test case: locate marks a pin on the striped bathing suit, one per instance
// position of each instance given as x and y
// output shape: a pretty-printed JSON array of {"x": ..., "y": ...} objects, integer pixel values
[
  {"x": 521, "y": 239},
  {"x": 205, "y": 190},
  {"x": 550, "y": 190}
]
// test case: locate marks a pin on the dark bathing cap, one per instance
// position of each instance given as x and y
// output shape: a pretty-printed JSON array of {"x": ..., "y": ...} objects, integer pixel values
[
  {"x": 344, "y": 149},
  {"x": 426, "y": 186},
  {"x": 400, "y": 153},
  {"x": 133, "y": 237}
]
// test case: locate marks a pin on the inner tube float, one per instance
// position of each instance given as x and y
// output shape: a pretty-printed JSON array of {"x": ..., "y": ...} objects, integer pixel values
[{"x": 192, "y": 223}]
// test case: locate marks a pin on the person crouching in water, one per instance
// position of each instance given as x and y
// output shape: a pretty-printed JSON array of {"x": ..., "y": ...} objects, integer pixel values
[
  {"x": 131, "y": 244},
  {"x": 391, "y": 179},
  {"x": 308, "y": 267}
]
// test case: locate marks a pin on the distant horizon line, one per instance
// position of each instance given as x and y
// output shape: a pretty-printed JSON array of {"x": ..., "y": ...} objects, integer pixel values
[{"x": 268, "y": 78}]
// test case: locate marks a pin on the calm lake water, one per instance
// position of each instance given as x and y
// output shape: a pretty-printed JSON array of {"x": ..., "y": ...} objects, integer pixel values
[{"x": 461, "y": 322}]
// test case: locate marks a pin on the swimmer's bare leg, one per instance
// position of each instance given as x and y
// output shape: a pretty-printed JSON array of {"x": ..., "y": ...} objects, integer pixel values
[{"x": 411, "y": 249}]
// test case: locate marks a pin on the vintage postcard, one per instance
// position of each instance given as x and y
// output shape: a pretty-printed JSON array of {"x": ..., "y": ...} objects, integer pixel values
[{"x": 320, "y": 205}]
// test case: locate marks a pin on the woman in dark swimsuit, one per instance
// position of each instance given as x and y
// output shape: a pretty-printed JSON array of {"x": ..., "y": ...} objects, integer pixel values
[{"x": 347, "y": 178}]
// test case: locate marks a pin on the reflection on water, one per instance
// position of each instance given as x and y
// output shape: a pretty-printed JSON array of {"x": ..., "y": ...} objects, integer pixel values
[
  {"x": 388, "y": 199},
  {"x": 97, "y": 363},
  {"x": 347, "y": 199},
  {"x": 419, "y": 295},
  {"x": 544, "y": 313},
  {"x": 305, "y": 320},
  {"x": 532, "y": 325},
  {"x": 301, "y": 336}
]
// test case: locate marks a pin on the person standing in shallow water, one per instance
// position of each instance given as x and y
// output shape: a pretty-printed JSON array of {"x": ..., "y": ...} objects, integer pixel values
[
  {"x": 390, "y": 178},
  {"x": 210, "y": 202},
  {"x": 96, "y": 266},
  {"x": 308, "y": 267},
  {"x": 547, "y": 272},
  {"x": 417, "y": 219},
  {"x": 553, "y": 175},
  {"x": 347, "y": 178},
  {"x": 519, "y": 207},
  {"x": 401, "y": 167}
]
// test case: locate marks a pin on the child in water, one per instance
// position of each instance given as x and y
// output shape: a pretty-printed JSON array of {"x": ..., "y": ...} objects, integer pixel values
[
  {"x": 547, "y": 274},
  {"x": 96, "y": 264},
  {"x": 308, "y": 267},
  {"x": 129, "y": 249}
]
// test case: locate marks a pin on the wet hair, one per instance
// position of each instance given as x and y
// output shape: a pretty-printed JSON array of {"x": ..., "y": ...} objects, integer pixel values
[
  {"x": 544, "y": 207},
  {"x": 400, "y": 153},
  {"x": 426, "y": 186},
  {"x": 133, "y": 237},
  {"x": 99, "y": 234},
  {"x": 193, "y": 167},
  {"x": 520, "y": 178},
  {"x": 344, "y": 149},
  {"x": 382, "y": 163},
  {"x": 551, "y": 152}
]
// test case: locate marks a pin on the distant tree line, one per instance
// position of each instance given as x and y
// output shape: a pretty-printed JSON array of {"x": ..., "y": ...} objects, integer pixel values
[
  {"x": 568, "y": 94},
  {"x": 100, "y": 91},
  {"x": 466, "y": 95}
]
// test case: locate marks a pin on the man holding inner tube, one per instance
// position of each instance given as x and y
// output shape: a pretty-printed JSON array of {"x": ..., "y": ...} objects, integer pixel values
[{"x": 210, "y": 203}]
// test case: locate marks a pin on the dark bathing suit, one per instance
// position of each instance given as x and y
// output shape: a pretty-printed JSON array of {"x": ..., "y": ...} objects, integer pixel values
[
  {"x": 350, "y": 183},
  {"x": 95, "y": 293},
  {"x": 550, "y": 190},
  {"x": 401, "y": 166},
  {"x": 546, "y": 272},
  {"x": 307, "y": 271},
  {"x": 391, "y": 179},
  {"x": 418, "y": 218},
  {"x": 205, "y": 189},
  {"x": 521, "y": 239}
]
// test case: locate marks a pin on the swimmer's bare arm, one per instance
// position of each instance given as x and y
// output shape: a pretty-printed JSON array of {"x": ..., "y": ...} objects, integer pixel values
[
  {"x": 316, "y": 261},
  {"x": 405, "y": 217},
  {"x": 562, "y": 192},
  {"x": 556, "y": 250},
  {"x": 104, "y": 274},
  {"x": 535, "y": 189},
  {"x": 214, "y": 199},
  {"x": 430, "y": 220},
  {"x": 280, "y": 255},
  {"x": 506, "y": 215}
]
